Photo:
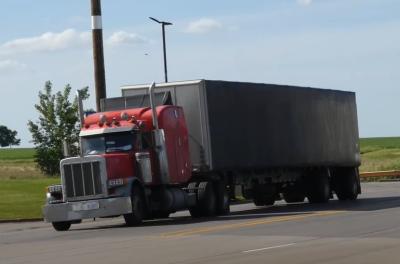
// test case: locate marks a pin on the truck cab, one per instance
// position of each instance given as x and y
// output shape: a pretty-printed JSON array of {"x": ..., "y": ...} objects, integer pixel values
[{"x": 122, "y": 152}]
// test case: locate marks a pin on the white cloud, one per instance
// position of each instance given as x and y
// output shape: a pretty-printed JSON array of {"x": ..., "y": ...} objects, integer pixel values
[
  {"x": 122, "y": 37},
  {"x": 69, "y": 38},
  {"x": 7, "y": 66},
  {"x": 203, "y": 25},
  {"x": 48, "y": 41},
  {"x": 304, "y": 2}
]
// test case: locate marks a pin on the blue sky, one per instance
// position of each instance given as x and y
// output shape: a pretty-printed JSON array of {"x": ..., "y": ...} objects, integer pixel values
[{"x": 338, "y": 44}]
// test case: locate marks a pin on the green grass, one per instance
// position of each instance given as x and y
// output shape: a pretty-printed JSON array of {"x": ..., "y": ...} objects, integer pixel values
[
  {"x": 16, "y": 154},
  {"x": 374, "y": 144},
  {"x": 22, "y": 185},
  {"x": 379, "y": 154},
  {"x": 22, "y": 199},
  {"x": 18, "y": 163}
]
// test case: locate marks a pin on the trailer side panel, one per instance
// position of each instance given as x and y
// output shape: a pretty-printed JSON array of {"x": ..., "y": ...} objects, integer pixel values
[{"x": 261, "y": 125}]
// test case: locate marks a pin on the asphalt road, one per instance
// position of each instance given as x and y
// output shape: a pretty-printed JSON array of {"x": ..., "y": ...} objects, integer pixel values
[{"x": 364, "y": 231}]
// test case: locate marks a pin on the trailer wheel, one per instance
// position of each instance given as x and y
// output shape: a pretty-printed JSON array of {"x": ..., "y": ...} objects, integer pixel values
[
  {"x": 61, "y": 226},
  {"x": 264, "y": 195},
  {"x": 160, "y": 214},
  {"x": 319, "y": 190},
  {"x": 347, "y": 185},
  {"x": 138, "y": 208},
  {"x": 293, "y": 197},
  {"x": 223, "y": 200}
]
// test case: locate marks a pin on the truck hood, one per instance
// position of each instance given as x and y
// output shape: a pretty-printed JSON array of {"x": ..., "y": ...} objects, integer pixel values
[{"x": 120, "y": 165}]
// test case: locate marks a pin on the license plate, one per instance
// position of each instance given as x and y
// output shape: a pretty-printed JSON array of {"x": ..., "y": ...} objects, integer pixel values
[{"x": 85, "y": 206}]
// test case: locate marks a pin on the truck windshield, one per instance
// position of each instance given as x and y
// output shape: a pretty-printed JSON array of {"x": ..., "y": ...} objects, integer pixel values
[{"x": 108, "y": 143}]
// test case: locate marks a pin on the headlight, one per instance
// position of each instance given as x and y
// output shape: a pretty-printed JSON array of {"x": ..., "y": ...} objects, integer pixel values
[{"x": 54, "y": 193}]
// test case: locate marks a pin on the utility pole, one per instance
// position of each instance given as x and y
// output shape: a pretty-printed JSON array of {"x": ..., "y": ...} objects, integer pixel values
[
  {"x": 98, "y": 53},
  {"x": 163, "y": 24}
]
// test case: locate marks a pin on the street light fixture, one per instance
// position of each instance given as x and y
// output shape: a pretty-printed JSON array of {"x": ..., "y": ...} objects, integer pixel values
[{"x": 163, "y": 24}]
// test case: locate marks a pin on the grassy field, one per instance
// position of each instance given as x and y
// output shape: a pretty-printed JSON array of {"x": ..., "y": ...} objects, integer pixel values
[
  {"x": 22, "y": 185},
  {"x": 21, "y": 199},
  {"x": 380, "y": 154},
  {"x": 18, "y": 164}
]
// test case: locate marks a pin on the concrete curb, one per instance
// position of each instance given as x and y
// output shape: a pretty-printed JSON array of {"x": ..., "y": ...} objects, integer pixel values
[{"x": 4, "y": 221}]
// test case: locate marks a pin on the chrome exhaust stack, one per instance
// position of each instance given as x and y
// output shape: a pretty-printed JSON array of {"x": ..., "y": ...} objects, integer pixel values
[{"x": 81, "y": 118}]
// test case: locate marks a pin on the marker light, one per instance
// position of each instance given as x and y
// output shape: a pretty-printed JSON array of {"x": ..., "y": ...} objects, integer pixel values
[
  {"x": 115, "y": 121},
  {"x": 124, "y": 116}
]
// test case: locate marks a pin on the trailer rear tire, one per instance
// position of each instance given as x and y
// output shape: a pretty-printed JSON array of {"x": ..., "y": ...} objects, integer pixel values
[
  {"x": 319, "y": 190},
  {"x": 347, "y": 185},
  {"x": 293, "y": 197},
  {"x": 158, "y": 215},
  {"x": 264, "y": 195},
  {"x": 61, "y": 226},
  {"x": 262, "y": 201},
  {"x": 138, "y": 208}
]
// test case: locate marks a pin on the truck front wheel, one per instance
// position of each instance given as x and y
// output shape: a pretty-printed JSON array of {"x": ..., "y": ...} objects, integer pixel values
[
  {"x": 61, "y": 226},
  {"x": 138, "y": 208}
]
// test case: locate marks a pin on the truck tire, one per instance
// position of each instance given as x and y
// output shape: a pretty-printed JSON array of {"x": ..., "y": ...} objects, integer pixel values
[
  {"x": 264, "y": 195},
  {"x": 319, "y": 190},
  {"x": 347, "y": 185},
  {"x": 160, "y": 214},
  {"x": 223, "y": 200},
  {"x": 206, "y": 201},
  {"x": 194, "y": 211},
  {"x": 293, "y": 197},
  {"x": 261, "y": 201},
  {"x": 138, "y": 208},
  {"x": 61, "y": 226}
]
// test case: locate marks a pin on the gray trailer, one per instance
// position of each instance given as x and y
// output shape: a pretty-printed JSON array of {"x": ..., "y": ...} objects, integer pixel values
[{"x": 267, "y": 138}]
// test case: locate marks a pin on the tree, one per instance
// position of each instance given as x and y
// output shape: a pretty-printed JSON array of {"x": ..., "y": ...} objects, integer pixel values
[
  {"x": 58, "y": 121},
  {"x": 8, "y": 137}
]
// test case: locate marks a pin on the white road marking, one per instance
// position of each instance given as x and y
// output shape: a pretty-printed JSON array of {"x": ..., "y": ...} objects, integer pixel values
[{"x": 267, "y": 248}]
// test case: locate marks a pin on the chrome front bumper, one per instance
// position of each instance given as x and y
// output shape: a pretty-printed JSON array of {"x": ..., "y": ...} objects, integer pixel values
[{"x": 70, "y": 211}]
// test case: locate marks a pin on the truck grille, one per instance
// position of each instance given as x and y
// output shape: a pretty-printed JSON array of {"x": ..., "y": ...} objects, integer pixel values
[{"x": 82, "y": 180}]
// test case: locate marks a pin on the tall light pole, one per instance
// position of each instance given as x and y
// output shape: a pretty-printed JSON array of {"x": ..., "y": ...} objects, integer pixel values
[
  {"x": 98, "y": 53},
  {"x": 163, "y": 24}
]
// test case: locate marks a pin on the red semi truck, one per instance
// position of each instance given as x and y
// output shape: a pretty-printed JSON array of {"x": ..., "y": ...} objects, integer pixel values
[{"x": 191, "y": 144}]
